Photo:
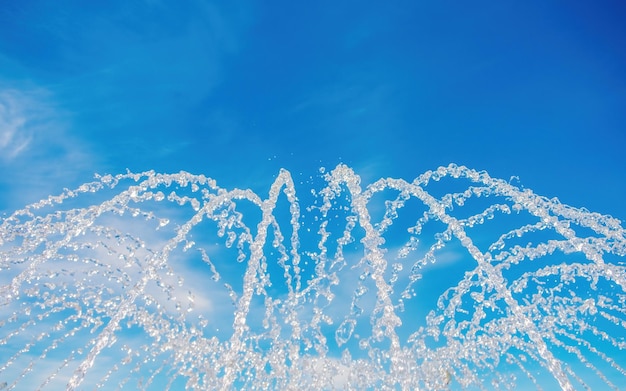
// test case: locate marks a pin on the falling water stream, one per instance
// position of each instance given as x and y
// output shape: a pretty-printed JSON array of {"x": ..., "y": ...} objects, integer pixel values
[{"x": 454, "y": 280}]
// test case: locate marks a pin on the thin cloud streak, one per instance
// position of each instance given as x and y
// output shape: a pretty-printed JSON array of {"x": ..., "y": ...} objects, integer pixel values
[
  {"x": 37, "y": 151},
  {"x": 18, "y": 112}
]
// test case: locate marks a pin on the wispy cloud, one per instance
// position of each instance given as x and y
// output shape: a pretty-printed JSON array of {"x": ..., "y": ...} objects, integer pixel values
[
  {"x": 37, "y": 149},
  {"x": 19, "y": 113}
]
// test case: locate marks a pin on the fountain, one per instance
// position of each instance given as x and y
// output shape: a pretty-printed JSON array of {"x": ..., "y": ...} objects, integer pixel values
[{"x": 455, "y": 280}]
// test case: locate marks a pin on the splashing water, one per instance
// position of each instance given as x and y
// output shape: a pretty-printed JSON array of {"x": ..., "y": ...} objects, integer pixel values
[{"x": 454, "y": 280}]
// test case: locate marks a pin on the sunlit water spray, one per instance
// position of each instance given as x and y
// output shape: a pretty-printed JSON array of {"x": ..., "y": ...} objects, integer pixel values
[{"x": 454, "y": 280}]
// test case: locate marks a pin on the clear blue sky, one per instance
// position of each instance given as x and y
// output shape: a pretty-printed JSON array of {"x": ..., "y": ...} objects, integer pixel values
[{"x": 236, "y": 91}]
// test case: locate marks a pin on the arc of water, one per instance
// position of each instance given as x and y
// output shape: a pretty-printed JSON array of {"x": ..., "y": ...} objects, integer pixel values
[
  {"x": 102, "y": 340},
  {"x": 80, "y": 222},
  {"x": 256, "y": 253},
  {"x": 372, "y": 241},
  {"x": 483, "y": 262},
  {"x": 554, "y": 365},
  {"x": 344, "y": 175},
  {"x": 528, "y": 325}
]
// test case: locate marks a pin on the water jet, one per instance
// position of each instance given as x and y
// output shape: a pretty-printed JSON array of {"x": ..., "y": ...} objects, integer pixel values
[{"x": 454, "y": 280}]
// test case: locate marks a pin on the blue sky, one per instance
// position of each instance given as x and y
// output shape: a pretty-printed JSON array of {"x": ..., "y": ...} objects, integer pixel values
[
  {"x": 533, "y": 89},
  {"x": 238, "y": 90}
]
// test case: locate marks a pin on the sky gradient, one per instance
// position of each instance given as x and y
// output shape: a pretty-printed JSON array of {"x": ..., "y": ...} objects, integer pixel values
[{"x": 236, "y": 92}]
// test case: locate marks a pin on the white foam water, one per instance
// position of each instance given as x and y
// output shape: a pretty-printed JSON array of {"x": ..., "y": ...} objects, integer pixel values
[{"x": 454, "y": 280}]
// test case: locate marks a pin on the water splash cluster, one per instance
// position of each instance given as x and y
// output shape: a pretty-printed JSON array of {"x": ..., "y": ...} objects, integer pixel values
[{"x": 455, "y": 280}]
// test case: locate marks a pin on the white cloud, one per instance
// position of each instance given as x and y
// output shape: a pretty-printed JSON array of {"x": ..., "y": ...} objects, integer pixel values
[
  {"x": 17, "y": 113},
  {"x": 38, "y": 154}
]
